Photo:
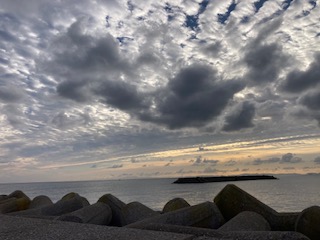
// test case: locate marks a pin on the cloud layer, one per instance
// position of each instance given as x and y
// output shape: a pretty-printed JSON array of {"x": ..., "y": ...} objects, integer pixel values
[{"x": 88, "y": 81}]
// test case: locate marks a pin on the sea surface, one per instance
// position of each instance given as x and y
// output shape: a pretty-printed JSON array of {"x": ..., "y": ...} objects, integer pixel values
[{"x": 288, "y": 194}]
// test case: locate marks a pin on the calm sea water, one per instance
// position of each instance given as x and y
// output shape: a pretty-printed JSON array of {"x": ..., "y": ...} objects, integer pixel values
[{"x": 289, "y": 193}]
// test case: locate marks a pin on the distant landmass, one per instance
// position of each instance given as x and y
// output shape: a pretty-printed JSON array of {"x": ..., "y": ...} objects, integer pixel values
[{"x": 224, "y": 179}]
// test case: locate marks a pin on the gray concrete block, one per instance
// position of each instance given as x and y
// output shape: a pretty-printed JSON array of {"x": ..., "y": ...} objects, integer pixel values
[
  {"x": 116, "y": 206},
  {"x": 72, "y": 195},
  {"x": 18, "y": 194},
  {"x": 195, "y": 231},
  {"x": 204, "y": 233},
  {"x": 40, "y": 201},
  {"x": 232, "y": 200},
  {"x": 136, "y": 211},
  {"x": 13, "y": 204},
  {"x": 308, "y": 222},
  {"x": 202, "y": 215},
  {"x": 3, "y": 197},
  {"x": 57, "y": 209},
  {"x": 246, "y": 221},
  {"x": 98, "y": 213},
  {"x": 175, "y": 204}
]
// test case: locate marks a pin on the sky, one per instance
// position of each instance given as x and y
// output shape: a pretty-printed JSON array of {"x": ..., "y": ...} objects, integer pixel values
[{"x": 113, "y": 89}]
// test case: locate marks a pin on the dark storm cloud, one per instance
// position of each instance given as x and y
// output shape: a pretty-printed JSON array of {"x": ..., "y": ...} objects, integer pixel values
[
  {"x": 298, "y": 81},
  {"x": 81, "y": 63},
  {"x": 240, "y": 118},
  {"x": 79, "y": 51},
  {"x": 311, "y": 100},
  {"x": 121, "y": 95},
  {"x": 75, "y": 90},
  {"x": 265, "y": 62},
  {"x": 317, "y": 160},
  {"x": 192, "y": 98}
]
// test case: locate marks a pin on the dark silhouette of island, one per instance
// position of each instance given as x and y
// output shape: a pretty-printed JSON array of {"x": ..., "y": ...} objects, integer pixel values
[{"x": 224, "y": 179}]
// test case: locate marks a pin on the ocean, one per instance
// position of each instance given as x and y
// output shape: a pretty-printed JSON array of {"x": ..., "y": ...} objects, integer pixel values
[{"x": 290, "y": 193}]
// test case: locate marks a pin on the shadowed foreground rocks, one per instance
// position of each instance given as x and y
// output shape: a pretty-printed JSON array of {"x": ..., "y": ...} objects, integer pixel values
[{"x": 233, "y": 215}]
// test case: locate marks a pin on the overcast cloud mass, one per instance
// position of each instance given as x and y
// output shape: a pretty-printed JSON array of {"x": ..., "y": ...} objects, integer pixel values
[{"x": 110, "y": 89}]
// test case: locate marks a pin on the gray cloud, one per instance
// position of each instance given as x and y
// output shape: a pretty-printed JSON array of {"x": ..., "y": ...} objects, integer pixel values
[
  {"x": 240, "y": 118},
  {"x": 317, "y": 160},
  {"x": 211, "y": 162},
  {"x": 7, "y": 36},
  {"x": 290, "y": 158},
  {"x": 286, "y": 158},
  {"x": 202, "y": 161},
  {"x": 11, "y": 94},
  {"x": 14, "y": 115},
  {"x": 134, "y": 160},
  {"x": 64, "y": 120},
  {"x": 75, "y": 90},
  {"x": 311, "y": 100},
  {"x": 117, "y": 166},
  {"x": 122, "y": 95},
  {"x": 265, "y": 62},
  {"x": 230, "y": 163},
  {"x": 297, "y": 81},
  {"x": 192, "y": 98},
  {"x": 211, "y": 170},
  {"x": 267, "y": 161}
]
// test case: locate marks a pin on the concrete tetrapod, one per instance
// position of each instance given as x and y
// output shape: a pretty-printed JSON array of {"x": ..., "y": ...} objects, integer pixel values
[
  {"x": 116, "y": 206},
  {"x": 12, "y": 205},
  {"x": 175, "y": 204},
  {"x": 98, "y": 213},
  {"x": 205, "y": 215},
  {"x": 136, "y": 211},
  {"x": 15, "y": 201},
  {"x": 40, "y": 201},
  {"x": 232, "y": 200},
  {"x": 204, "y": 233},
  {"x": 57, "y": 209},
  {"x": 246, "y": 221},
  {"x": 308, "y": 222}
]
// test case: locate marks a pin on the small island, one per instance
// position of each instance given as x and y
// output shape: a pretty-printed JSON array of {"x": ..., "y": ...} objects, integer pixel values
[{"x": 224, "y": 179}]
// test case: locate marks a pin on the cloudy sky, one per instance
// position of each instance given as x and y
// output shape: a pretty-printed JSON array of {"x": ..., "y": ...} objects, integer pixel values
[{"x": 109, "y": 89}]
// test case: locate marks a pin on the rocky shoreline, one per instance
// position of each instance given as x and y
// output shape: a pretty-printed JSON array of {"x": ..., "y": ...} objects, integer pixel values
[
  {"x": 224, "y": 179},
  {"x": 233, "y": 214}
]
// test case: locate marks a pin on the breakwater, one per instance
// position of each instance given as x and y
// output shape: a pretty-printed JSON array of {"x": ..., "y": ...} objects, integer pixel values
[
  {"x": 224, "y": 179},
  {"x": 233, "y": 214}
]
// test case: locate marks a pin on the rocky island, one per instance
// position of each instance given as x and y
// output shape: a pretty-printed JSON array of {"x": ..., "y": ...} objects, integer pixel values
[{"x": 224, "y": 179}]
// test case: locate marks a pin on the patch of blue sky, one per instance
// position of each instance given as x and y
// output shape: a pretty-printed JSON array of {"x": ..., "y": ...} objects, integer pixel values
[{"x": 222, "y": 18}]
